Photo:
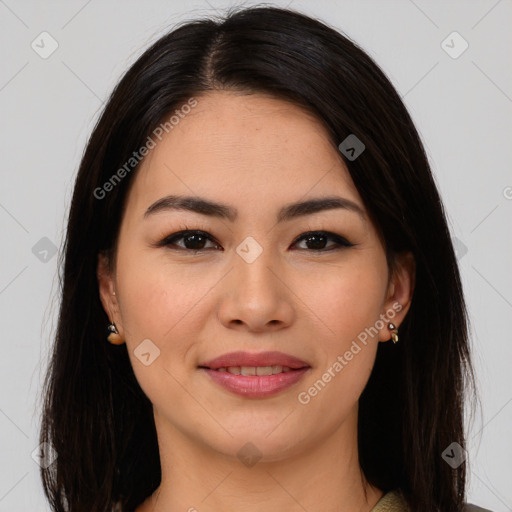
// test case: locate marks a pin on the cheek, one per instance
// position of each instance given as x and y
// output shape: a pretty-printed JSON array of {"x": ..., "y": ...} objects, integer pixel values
[
  {"x": 348, "y": 301},
  {"x": 346, "y": 306},
  {"x": 161, "y": 305},
  {"x": 162, "y": 302}
]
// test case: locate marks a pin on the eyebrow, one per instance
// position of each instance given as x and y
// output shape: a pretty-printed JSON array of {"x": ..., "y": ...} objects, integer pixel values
[{"x": 288, "y": 212}]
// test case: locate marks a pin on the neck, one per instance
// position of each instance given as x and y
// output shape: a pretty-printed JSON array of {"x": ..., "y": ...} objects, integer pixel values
[{"x": 322, "y": 475}]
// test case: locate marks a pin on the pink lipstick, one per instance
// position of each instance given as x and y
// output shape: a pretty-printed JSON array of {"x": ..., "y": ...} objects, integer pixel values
[{"x": 255, "y": 375}]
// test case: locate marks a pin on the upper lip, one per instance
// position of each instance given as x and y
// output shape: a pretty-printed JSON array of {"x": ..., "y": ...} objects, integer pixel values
[{"x": 241, "y": 358}]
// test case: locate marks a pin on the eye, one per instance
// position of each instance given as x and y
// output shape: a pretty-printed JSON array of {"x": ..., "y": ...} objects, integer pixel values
[
  {"x": 316, "y": 240},
  {"x": 193, "y": 240}
]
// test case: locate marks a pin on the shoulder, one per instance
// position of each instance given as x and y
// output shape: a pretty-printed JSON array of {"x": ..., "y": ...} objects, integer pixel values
[{"x": 393, "y": 501}]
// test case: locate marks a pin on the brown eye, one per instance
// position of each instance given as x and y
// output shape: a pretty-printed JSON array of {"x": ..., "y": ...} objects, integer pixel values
[
  {"x": 317, "y": 241},
  {"x": 192, "y": 240}
]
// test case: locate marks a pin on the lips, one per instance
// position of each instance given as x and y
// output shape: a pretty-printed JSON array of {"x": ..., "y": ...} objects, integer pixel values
[
  {"x": 248, "y": 359},
  {"x": 256, "y": 386},
  {"x": 255, "y": 375}
]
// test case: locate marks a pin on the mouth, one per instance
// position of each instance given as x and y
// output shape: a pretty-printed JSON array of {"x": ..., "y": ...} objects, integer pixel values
[{"x": 255, "y": 375}]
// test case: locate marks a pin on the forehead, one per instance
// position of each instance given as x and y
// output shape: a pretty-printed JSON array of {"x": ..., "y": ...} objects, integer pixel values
[{"x": 232, "y": 146}]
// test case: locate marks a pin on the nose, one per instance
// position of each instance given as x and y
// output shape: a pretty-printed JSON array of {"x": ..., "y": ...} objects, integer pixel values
[{"x": 255, "y": 296}]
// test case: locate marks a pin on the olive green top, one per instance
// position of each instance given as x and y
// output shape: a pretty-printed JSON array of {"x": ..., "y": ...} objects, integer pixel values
[{"x": 393, "y": 501}]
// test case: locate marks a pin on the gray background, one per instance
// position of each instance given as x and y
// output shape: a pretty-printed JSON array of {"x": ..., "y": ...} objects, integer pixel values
[{"x": 48, "y": 108}]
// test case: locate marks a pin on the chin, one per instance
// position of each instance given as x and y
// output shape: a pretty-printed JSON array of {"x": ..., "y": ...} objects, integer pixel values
[{"x": 249, "y": 445}]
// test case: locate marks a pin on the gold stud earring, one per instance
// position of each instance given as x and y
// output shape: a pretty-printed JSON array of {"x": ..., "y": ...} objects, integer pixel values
[
  {"x": 114, "y": 337},
  {"x": 394, "y": 332}
]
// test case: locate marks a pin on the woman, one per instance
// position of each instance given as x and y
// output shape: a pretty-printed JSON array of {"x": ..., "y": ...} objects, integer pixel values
[{"x": 256, "y": 222}]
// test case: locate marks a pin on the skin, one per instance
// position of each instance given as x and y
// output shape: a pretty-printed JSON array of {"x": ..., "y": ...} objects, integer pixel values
[{"x": 256, "y": 154}]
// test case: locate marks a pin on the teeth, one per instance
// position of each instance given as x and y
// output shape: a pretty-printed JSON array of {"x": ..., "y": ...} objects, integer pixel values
[
  {"x": 265, "y": 370},
  {"x": 253, "y": 370}
]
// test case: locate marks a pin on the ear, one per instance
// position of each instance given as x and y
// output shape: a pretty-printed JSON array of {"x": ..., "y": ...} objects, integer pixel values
[
  {"x": 106, "y": 284},
  {"x": 399, "y": 293}
]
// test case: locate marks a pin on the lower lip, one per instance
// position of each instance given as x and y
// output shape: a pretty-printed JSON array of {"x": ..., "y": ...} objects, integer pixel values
[{"x": 256, "y": 386}]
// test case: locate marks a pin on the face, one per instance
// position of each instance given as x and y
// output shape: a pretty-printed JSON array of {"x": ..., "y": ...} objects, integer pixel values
[{"x": 253, "y": 276}]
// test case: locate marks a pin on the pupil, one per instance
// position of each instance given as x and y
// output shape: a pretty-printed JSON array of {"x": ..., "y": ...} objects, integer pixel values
[
  {"x": 320, "y": 245},
  {"x": 197, "y": 238}
]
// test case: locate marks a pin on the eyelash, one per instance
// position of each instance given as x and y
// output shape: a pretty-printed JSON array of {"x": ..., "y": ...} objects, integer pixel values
[{"x": 169, "y": 240}]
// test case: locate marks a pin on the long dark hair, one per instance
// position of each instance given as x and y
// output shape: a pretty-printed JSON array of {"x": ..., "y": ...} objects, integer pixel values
[{"x": 95, "y": 415}]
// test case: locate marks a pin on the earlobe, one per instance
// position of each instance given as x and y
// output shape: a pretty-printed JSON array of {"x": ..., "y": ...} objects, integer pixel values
[{"x": 399, "y": 297}]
